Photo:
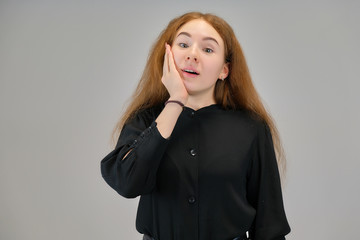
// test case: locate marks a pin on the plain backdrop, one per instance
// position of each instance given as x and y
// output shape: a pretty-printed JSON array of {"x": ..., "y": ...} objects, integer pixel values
[{"x": 67, "y": 69}]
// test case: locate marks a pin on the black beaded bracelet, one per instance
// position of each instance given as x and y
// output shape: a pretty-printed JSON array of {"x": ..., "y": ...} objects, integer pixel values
[{"x": 175, "y": 101}]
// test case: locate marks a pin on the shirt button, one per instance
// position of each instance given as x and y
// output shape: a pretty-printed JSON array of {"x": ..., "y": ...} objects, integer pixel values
[
  {"x": 192, "y": 114},
  {"x": 191, "y": 199},
  {"x": 193, "y": 152}
]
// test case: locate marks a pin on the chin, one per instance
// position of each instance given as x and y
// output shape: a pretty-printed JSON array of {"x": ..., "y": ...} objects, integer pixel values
[
  {"x": 188, "y": 87},
  {"x": 191, "y": 90}
]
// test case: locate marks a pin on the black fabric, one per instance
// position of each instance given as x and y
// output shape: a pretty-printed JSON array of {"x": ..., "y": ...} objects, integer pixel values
[
  {"x": 215, "y": 178},
  {"x": 147, "y": 237}
]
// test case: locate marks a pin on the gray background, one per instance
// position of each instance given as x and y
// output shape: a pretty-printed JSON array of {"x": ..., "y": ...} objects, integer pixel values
[{"x": 68, "y": 67}]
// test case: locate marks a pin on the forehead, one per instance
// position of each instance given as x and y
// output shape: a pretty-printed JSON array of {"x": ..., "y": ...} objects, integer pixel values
[{"x": 201, "y": 28}]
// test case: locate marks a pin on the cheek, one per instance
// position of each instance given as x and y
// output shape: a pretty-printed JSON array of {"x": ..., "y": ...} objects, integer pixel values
[
  {"x": 177, "y": 57},
  {"x": 215, "y": 67}
]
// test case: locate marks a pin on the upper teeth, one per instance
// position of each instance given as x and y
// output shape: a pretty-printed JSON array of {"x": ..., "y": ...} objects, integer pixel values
[{"x": 190, "y": 71}]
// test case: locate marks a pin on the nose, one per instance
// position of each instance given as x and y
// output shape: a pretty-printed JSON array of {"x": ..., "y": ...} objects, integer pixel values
[
  {"x": 195, "y": 58},
  {"x": 192, "y": 54}
]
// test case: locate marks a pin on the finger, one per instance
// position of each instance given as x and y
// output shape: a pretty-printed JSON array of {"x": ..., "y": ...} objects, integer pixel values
[
  {"x": 168, "y": 52},
  {"x": 172, "y": 66},
  {"x": 165, "y": 65}
]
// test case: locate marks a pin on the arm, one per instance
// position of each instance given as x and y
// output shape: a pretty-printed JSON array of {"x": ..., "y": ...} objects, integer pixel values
[
  {"x": 264, "y": 190},
  {"x": 135, "y": 173},
  {"x": 177, "y": 91},
  {"x": 131, "y": 167}
]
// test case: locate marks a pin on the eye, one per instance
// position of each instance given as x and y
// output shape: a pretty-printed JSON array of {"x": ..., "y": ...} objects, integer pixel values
[
  {"x": 208, "y": 50},
  {"x": 183, "y": 45}
]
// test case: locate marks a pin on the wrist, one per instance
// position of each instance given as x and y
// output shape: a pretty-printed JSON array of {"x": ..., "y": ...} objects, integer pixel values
[
  {"x": 179, "y": 97},
  {"x": 176, "y": 102}
]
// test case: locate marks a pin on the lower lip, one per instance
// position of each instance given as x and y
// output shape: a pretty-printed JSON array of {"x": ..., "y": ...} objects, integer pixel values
[{"x": 186, "y": 74}]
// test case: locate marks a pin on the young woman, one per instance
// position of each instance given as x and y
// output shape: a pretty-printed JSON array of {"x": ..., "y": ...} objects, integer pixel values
[{"x": 196, "y": 142}]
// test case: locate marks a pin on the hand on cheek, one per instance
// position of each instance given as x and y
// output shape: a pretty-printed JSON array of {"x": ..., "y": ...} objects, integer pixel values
[{"x": 172, "y": 79}]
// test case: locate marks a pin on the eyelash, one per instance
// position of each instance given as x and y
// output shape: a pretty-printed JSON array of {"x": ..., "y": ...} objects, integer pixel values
[
  {"x": 183, "y": 45},
  {"x": 207, "y": 50}
]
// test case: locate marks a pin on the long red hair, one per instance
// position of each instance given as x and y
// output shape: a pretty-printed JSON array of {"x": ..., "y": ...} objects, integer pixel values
[{"x": 236, "y": 92}]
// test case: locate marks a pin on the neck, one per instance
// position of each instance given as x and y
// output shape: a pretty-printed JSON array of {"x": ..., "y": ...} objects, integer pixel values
[{"x": 197, "y": 102}]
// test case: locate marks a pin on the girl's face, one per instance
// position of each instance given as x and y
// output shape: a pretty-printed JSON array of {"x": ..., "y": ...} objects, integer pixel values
[{"x": 199, "y": 56}]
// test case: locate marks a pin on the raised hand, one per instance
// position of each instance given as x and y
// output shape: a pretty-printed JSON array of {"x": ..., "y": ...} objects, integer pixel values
[{"x": 172, "y": 78}]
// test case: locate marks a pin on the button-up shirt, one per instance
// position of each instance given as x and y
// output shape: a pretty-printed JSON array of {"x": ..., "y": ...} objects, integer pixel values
[{"x": 214, "y": 178}]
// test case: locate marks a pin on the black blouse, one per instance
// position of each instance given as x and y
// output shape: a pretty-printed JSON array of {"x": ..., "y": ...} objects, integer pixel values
[{"x": 215, "y": 178}]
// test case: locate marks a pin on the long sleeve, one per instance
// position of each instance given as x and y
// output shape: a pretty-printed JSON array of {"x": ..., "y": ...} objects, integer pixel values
[
  {"x": 136, "y": 173},
  {"x": 215, "y": 178},
  {"x": 264, "y": 190}
]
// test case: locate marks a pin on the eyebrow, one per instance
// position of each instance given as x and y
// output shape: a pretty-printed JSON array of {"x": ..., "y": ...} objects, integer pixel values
[{"x": 205, "y": 38}]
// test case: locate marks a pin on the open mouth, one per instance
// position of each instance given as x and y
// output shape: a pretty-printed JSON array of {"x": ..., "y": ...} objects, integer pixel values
[{"x": 190, "y": 71}]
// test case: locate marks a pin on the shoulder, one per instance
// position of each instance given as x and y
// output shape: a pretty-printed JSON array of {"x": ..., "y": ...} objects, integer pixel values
[
  {"x": 146, "y": 115},
  {"x": 245, "y": 117},
  {"x": 240, "y": 123}
]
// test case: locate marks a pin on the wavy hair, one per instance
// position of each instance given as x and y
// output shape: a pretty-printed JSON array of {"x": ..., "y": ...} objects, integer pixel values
[{"x": 237, "y": 91}]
